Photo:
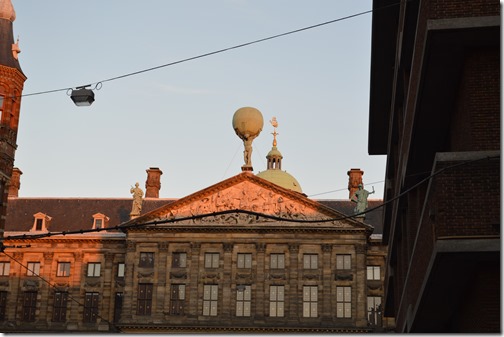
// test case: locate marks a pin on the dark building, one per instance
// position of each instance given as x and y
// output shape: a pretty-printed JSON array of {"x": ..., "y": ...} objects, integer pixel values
[{"x": 435, "y": 113}]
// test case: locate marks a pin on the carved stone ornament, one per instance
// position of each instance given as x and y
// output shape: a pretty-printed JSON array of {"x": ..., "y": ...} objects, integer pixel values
[
  {"x": 130, "y": 246},
  {"x": 92, "y": 283},
  {"x": 145, "y": 274},
  {"x": 163, "y": 246},
  {"x": 31, "y": 284},
  {"x": 210, "y": 277},
  {"x": 178, "y": 275},
  {"x": 48, "y": 256},
  {"x": 63, "y": 288},
  {"x": 120, "y": 283},
  {"x": 343, "y": 277},
  {"x": 326, "y": 248},
  {"x": 293, "y": 247},
  {"x": 277, "y": 276},
  {"x": 374, "y": 285},
  {"x": 311, "y": 276},
  {"x": 260, "y": 247},
  {"x": 360, "y": 249},
  {"x": 228, "y": 247},
  {"x": 245, "y": 276},
  {"x": 245, "y": 196}
]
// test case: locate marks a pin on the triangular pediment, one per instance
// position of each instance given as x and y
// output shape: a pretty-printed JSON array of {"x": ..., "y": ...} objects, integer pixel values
[{"x": 262, "y": 202}]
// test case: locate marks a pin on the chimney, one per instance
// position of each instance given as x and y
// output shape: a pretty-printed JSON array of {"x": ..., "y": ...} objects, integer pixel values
[
  {"x": 153, "y": 183},
  {"x": 354, "y": 179},
  {"x": 15, "y": 183}
]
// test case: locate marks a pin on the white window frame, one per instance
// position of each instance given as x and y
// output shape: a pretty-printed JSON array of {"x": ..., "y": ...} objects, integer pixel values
[
  {"x": 373, "y": 302},
  {"x": 33, "y": 269},
  {"x": 310, "y": 261},
  {"x": 63, "y": 269},
  {"x": 243, "y": 300},
  {"x": 277, "y": 261},
  {"x": 343, "y": 261},
  {"x": 182, "y": 258},
  {"x": 212, "y": 260},
  {"x": 93, "y": 269},
  {"x": 121, "y": 269},
  {"x": 310, "y": 301},
  {"x": 244, "y": 261},
  {"x": 210, "y": 299},
  {"x": 277, "y": 301},
  {"x": 344, "y": 302},
  {"x": 4, "y": 268},
  {"x": 373, "y": 273}
]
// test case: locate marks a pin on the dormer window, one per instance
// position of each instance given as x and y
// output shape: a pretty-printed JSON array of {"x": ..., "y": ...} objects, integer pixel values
[
  {"x": 100, "y": 221},
  {"x": 41, "y": 222}
]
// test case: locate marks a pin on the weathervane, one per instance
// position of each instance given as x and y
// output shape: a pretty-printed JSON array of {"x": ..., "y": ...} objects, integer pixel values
[{"x": 274, "y": 123}]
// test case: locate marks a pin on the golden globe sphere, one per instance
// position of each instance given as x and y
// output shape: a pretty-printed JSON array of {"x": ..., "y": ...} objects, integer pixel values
[{"x": 248, "y": 122}]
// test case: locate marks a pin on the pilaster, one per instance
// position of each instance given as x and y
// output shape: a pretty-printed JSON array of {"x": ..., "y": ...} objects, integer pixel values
[{"x": 293, "y": 291}]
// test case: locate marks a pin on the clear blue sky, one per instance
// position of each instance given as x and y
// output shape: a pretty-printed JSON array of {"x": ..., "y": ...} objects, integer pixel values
[{"x": 178, "y": 118}]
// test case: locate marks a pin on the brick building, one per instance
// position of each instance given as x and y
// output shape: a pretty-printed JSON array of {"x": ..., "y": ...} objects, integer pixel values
[
  {"x": 11, "y": 87},
  {"x": 435, "y": 113}
]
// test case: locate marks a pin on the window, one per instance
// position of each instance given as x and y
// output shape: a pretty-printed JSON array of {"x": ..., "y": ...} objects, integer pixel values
[
  {"x": 179, "y": 260},
  {"x": 146, "y": 260},
  {"x": 120, "y": 269},
  {"x": 118, "y": 306},
  {"x": 276, "y": 301},
  {"x": 244, "y": 261},
  {"x": 373, "y": 273},
  {"x": 38, "y": 224},
  {"x": 243, "y": 300},
  {"x": 100, "y": 220},
  {"x": 277, "y": 261},
  {"x": 177, "y": 299},
  {"x": 343, "y": 302},
  {"x": 93, "y": 269},
  {"x": 3, "y": 304},
  {"x": 4, "y": 268},
  {"x": 310, "y": 298},
  {"x": 211, "y": 260},
  {"x": 310, "y": 261},
  {"x": 33, "y": 269},
  {"x": 60, "y": 306},
  {"x": 63, "y": 269},
  {"x": 41, "y": 222},
  {"x": 29, "y": 306},
  {"x": 343, "y": 262},
  {"x": 210, "y": 297},
  {"x": 90, "y": 307},
  {"x": 144, "y": 300},
  {"x": 374, "y": 310}
]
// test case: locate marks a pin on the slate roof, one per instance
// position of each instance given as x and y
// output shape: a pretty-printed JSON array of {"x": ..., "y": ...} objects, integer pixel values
[
  {"x": 6, "y": 41},
  {"x": 69, "y": 214}
]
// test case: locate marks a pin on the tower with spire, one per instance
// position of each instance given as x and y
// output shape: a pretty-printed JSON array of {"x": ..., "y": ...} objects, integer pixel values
[
  {"x": 274, "y": 171},
  {"x": 11, "y": 87}
]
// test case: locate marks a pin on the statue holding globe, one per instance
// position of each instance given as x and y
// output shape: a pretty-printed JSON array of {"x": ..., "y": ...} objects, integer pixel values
[{"x": 247, "y": 123}]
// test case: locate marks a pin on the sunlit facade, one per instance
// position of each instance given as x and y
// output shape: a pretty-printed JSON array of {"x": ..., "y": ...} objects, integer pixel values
[{"x": 228, "y": 273}]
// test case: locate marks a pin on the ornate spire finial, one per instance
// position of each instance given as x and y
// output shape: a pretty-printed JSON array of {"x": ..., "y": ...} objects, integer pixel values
[{"x": 274, "y": 123}]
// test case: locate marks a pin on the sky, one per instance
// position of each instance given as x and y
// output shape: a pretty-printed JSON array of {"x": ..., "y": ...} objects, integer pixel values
[{"x": 179, "y": 117}]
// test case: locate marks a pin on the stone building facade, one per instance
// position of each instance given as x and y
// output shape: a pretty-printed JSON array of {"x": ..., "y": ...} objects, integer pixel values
[{"x": 261, "y": 270}]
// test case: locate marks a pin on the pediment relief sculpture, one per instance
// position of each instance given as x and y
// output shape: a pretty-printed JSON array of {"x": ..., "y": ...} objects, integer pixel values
[{"x": 249, "y": 197}]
